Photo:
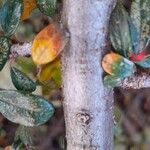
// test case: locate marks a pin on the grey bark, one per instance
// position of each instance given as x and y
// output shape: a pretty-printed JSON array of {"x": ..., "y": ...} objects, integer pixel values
[
  {"x": 21, "y": 50},
  {"x": 87, "y": 103},
  {"x": 137, "y": 81}
]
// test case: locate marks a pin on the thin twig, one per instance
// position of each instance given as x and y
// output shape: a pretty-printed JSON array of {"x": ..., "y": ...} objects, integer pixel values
[{"x": 21, "y": 50}]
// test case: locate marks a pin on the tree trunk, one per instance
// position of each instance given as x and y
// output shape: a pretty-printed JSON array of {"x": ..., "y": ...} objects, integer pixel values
[{"x": 87, "y": 103}]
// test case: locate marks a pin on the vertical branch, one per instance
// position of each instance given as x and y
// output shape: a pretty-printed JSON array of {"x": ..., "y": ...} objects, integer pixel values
[{"x": 87, "y": 103}]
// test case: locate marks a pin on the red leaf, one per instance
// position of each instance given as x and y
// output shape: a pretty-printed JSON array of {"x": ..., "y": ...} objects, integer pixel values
[{"x": 138, "y": 57}]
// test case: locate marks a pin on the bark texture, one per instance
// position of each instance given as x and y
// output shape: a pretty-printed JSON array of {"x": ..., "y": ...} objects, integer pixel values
[
  {"x": 21, "y": 50},
  {"x": 87, "y": 103},
  {"x": 137, "y": 81}
]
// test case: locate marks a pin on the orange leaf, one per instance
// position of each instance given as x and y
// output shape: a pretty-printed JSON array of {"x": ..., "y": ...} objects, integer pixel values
[
  {"x": 108, "y": 60},
  {"x": 29, "y": 5},
  {"x": 8, "y": 148},
  {"x": 48, "y": 44}
]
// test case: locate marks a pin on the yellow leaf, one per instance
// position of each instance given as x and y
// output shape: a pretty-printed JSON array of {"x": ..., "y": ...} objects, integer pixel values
[
  {"x": 108, "y": 60},
  {"x": 48, "y": 44},
  {"x": 29, "y": 5},
  {"x": 47, "y": 71}
]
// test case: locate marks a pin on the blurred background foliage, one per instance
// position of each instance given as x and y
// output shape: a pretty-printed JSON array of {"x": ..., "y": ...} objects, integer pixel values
[{"x": 131, "y": 110}]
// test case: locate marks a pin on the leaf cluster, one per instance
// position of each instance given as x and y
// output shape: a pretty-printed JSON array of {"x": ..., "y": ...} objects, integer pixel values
[
  {"x": 21, "y": 105},
  {"x": 130, "y": 37}
]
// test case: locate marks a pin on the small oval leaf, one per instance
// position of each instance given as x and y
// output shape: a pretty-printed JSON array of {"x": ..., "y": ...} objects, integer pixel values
[
  {"x": 140, "y": 12},
  {"x": 28, "y": 110},
  {"x": 21, "y": 81},
  {"x": 117, "y": 65},
  {"x": 48, "y": 7},
  {"x": 112, "y": 81},
  {"x": 4, "y": 51},
  {"x": 10, "y": 16},
  {"x": 48, "y": 44},
  {"x": 120, "y": 32}
]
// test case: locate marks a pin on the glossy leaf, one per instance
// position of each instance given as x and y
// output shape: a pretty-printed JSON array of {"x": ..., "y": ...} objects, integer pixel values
[
  {"x": 50, "y": 71},
  {"x": 117, "y": 65},
  {"x": 29, "y": 5},
  {"x": 48, "y": 44},
  {"x": 145, "y": 63},
  {"x": 134, "y": 37},
  {"x": 28, "y": 110},
  {"x": 112, "y": 81},
  {"x": 10, "y": 16},
  {"x": 48, "y": 7},
  {"x": 140, "y": 14},
  {"x": 4, "y": 51},
  {"x": 21, "y": 81},
  {"x": 120, "y": 32}
]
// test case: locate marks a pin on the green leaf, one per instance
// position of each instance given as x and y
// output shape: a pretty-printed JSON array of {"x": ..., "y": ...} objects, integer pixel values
[
  {"x": 10, "y": 16},
  {"x": 48, "y": 7},
  {"x": 140, "y": 12},
  {"x": 119, "y": 31},
  {"x": 123, "y": 68},
  {"x": 21, "y": 81},
  {"x": 4, "y": 51},
  {"x": 117, "y": 114},
  {"x": 56, "y": 76},
  {"x": 145, "y": 63},
  {"x": 112, "y": 81},
  {"x": 25, "y": 109},
  {"x": 118, "y": 132},
  {"x": 24, "y": 134},
  {"x": 118, "y": 66},
  {"x": 18, "y": 145},
  {"x": 134, "y": 36},
  {"x": 26, "y": 64}
]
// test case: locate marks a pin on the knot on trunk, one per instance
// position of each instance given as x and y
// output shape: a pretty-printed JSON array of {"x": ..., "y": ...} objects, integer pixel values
[{"x": 83, "y": 118}]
